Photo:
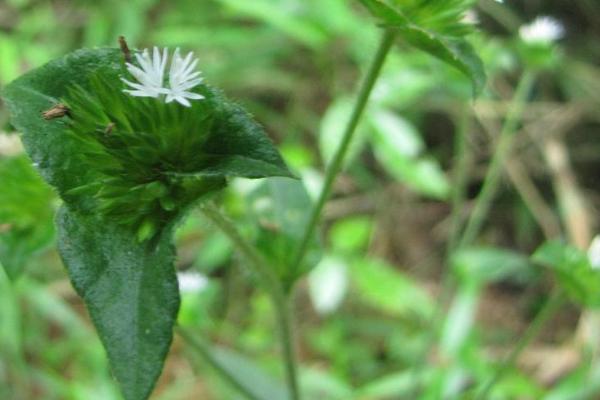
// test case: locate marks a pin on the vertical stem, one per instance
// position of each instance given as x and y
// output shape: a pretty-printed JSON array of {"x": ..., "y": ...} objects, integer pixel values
[
  {"x": 336, "y": 164},
  {"x": 279, "y": 298},
  {"x": 551, "y": 305},
  {"x": 492, "y": 179},
  {"x": 459, "y": 181}
]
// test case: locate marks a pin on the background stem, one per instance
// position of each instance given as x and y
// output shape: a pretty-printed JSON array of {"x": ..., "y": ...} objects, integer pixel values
[
  {"x": 279, "y": 298},
  {"x": 492, "y": 178},
  {"x": 551, "y": 305},
  {"x": 336, "y": 164},
  {"x": 203, "y": 351}
]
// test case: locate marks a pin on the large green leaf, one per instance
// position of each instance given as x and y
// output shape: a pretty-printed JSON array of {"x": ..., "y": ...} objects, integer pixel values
[
  {"x": 156, "y": 160},
  {"x": 130, "y": 290},
  {"x": 453, "y": 50}
]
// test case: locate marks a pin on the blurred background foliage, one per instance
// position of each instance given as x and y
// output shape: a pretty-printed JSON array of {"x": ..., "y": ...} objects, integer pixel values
[{"x": 366, "y": 312}]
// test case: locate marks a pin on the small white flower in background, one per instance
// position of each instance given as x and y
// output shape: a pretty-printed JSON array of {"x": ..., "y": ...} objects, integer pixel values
[
  {"x": 543, "y": 30},
  {"x": 594, "y": 253},
  {"x": 150, "y": 76},
  {"x": 328, "y": 285},
  {"x": 191, "y": 282}
]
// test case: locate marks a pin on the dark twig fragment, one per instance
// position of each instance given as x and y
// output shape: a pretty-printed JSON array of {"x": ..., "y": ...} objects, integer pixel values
[{"x": 125, "y": 49}]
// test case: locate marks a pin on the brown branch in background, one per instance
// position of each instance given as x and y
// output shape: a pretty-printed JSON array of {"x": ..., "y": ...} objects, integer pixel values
[
  {"x": 573, "y": 207},
  {"x": 532, "y": 198},
  {"x": 517, "y": 173},
  {"x": 578, "y": 221},
  {"x": 125, "y": 49}
]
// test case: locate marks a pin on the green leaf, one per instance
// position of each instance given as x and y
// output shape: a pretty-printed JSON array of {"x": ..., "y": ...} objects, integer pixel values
[
  {"x": 453, "y": 50},
  {"x": 26, "y": 214},
  {"x": 130, "y": 290},
  {"x": 572, "y": 270}
]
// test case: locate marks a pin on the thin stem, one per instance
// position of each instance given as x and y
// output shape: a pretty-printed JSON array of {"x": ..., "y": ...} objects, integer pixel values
[
  {"x": 459, "y": 182},
  {"x": 336, "y": 164},
  {"x": 549, "y": 308},
  {"x": 209, "y": 357},
  {"x": 484, "y": 200},
  {"x": 279, "y": 298}
]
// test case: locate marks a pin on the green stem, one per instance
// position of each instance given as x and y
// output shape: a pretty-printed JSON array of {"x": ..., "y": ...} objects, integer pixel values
[
  {"x": 279, "y": 298},
  {"x": 208, "y": 356},
  {"x": 459, "y": 183},
  {"x": 336, "y": 164},
  {"x": 549, "y": 308},
  {"x": 484, "y": 200}
]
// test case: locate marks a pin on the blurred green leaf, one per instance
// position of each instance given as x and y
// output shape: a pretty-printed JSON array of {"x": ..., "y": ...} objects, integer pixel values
[
  {"x": 281, "y": 17},
  {"x": 396, "y": 385},
  {"x": 572, "y": 270},
  {"x": 332, "y": 129},
  {"x": 483, "y": 265},
  {"x": 26, "y": 214},
  {"x": 321, "y": 384},
  {"x": 397, "y": 147},
  {"x": 282, "y": 207},
  {"x": 389, "y": 289},
  {"x": 351, "y": 235}
]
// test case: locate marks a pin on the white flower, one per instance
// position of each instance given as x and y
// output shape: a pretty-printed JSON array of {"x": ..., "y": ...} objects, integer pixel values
[
  {"x": 543, "y": 30},
  {"x": 182, "y": 78},
  {"x": 150, "y": 76}
]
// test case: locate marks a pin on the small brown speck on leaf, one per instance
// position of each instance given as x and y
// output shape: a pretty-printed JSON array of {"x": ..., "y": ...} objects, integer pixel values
[
  {"x": 57, "y": 111},
  {"x": 109, "y": 128}
]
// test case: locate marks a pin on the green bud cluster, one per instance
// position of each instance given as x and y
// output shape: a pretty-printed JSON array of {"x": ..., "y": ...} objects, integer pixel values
[{"x": 142, "y": 154}]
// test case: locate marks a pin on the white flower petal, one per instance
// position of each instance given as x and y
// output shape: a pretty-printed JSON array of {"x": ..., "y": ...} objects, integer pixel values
[
  {"x": 192, "y": 95},
  {"x": 150, "y": 73},
  {"x": 182, "y": 100}
]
